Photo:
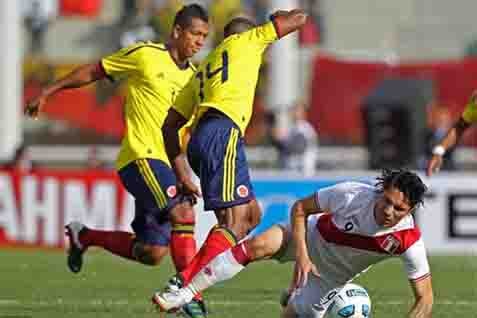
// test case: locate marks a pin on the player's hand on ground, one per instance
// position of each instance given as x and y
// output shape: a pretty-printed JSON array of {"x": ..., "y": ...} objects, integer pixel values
[
  {"x": 434, "y": 165},
  {"x": 34, "y": 107},
  {"x": 303, "y": 268}
]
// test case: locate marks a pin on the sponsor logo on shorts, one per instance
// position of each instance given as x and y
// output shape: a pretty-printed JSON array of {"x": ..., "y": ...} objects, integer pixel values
[
  {"x": 171, "y": 191},
  {"x": 242, "y": 191}
]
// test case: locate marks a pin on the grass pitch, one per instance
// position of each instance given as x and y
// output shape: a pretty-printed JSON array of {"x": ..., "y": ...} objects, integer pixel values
[{"x": 37, "y": 283}]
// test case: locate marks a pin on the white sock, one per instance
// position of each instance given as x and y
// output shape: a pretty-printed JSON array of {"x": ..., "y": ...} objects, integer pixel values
[{"x": 221, "y": 268}]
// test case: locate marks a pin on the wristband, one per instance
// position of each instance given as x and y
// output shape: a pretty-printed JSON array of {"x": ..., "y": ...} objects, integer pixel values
[{"x": 438, "y": 150}]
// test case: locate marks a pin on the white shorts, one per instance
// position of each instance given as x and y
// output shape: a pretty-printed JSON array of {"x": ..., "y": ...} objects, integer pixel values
[{"x": 312, "y": 300}]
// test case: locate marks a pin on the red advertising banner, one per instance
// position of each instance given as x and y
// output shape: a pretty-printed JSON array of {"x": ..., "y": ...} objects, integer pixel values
[
  {"x": 84, "y": 8},
  {"x": 340, "y": 86},
  {"x": 34, "y": 207}
]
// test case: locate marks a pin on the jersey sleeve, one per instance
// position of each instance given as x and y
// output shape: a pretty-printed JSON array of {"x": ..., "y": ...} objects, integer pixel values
[
  {"x": 415, "y": 261},
  {"x": 186, "y": 101},
  {"x": 262, "y": 35},
  {"x": 470, "y": 113},
  {"x": 335, "y": 198},
  {"x": 123, "y": 63}
]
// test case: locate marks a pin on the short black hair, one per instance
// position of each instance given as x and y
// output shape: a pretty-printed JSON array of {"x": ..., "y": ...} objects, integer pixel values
[
  {"x": 187, "y": 13},
  {"x": 406, "y": 181},
  {"x": 238, "y": 25}
]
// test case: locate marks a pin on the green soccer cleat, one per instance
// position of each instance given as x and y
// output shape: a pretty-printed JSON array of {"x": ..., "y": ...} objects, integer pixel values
[{"x": 194, "y": 309}]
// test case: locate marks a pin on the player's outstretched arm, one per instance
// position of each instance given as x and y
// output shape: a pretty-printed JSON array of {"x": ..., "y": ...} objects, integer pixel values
[
  {"x": 450, "y": 140},
  {"x": 303, "y": 265},
  {"x": 287, "y": 22},
  {"x": 170, "y": 132},
  {"x": 424, "y": 298},
  {"x": 81, "y": 76}
]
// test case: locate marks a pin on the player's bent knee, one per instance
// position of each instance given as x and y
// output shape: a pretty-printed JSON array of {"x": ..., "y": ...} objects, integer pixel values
[
  {"x": 259, "y": 248},
  {"x": 267, "y": 244},
  {"x": 150, "y": 254},
  {"x": 183, "y": 214}
]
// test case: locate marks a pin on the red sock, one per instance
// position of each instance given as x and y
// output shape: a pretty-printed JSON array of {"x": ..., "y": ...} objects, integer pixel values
[
  {"x": 241, "y": 254},
  {"x": 219, "y": 240},
  {"x": 182, "y": 245},
  {"x": 118, "y": 243}
]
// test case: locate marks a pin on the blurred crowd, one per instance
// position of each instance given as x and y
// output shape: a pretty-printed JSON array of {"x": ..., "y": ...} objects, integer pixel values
[
  {"x": 152, "y": 19},
  {"x": 142, "y": 20}
]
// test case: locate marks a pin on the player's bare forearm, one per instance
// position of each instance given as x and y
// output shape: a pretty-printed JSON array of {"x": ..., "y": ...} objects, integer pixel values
[
  {"x": 79, "y": 77},
  {"x": 170, "y": 132},
  {"x": 180, "y": 167},
  {"x": 286, "y": 22},
  {"x": 300, "y": 211},
  {"x": 298, "y": 217},
  {"x": 424, "y": 298},
  {"x": 454, "y": 134}
]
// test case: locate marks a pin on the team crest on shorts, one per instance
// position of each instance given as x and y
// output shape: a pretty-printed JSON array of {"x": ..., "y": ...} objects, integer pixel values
[
  {"x": 171, "y": 191},
  {"x": 390, "y": 244},
  {"x": 242, "y": 191}
]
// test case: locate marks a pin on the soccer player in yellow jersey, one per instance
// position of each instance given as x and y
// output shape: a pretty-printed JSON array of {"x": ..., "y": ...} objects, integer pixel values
[
  {"x": 155, "y": 74},
  {"x": 220, "y": 96},
  {"x": 467, "y": 119}
]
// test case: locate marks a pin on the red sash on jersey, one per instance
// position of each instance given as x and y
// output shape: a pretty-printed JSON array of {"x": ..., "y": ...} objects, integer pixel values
[{"x": 394, "y": 243}]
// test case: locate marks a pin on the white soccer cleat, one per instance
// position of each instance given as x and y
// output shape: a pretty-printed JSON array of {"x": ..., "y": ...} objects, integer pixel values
[
  {"x": 76, "y": 249},
  {"x": 171, "y": 301}
]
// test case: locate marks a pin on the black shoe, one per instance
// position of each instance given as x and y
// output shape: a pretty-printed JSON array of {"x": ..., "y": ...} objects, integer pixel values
[{"x": 76, "y": 250}]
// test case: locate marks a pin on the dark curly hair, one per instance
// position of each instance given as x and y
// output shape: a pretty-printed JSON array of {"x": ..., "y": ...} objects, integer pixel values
[{"x": 406, "y": 181}]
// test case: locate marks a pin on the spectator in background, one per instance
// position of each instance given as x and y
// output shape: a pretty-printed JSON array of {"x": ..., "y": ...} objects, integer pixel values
[
  {"x": 138, "y": 25},
  {"x": 21, "y": 161},
  {"x": 38, "y": 15},
  {"x": 258, "y": 9},
  {"x": 298, "y": 145},
  {"x": 95, "y": 162},
  {"x": 312, "y": 32}
]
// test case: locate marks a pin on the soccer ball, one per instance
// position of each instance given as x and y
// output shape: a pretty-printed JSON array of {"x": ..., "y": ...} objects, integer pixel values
[{"x": 351, "y": 302}]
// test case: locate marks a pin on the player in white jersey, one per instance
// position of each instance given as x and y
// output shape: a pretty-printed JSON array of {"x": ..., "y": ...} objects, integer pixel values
[{"x": 351, "y": 226}]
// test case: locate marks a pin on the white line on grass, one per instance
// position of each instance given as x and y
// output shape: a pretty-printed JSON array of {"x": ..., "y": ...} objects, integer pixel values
[{"x": 125, "y": 302}]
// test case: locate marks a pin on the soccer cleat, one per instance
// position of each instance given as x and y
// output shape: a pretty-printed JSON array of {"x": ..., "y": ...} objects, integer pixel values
[
  {"x": 76, "y": 249},
  {"x": 171, "y": 301},
  {"x": 194, "y": 309},
  {"x": 174, "y": 283}
]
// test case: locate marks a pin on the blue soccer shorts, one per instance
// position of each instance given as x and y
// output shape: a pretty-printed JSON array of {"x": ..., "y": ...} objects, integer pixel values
[
  {"x": 152, "y": 183},
  {"x": 216, "y": 154}
]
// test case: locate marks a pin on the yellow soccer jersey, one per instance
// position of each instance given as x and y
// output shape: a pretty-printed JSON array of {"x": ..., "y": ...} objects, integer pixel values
[
  {"x": 153, "y": 82},
  {"x": 470, "y": 113},
  {"x": 227, "y": 78}
]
